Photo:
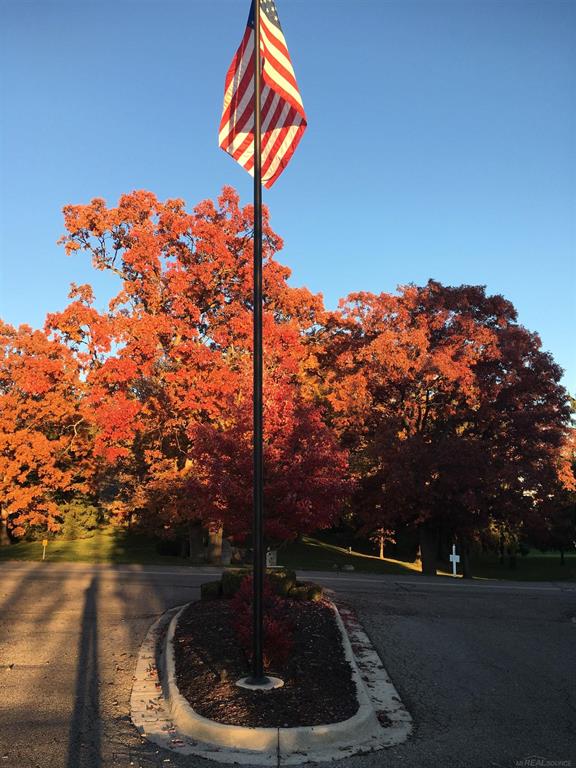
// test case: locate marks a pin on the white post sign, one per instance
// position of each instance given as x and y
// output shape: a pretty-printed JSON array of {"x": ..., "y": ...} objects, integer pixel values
[{"x": 454, "y": 559}]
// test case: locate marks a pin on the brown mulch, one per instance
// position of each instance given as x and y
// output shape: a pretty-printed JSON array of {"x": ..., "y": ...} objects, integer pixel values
[{"x": 318, "y": 686}]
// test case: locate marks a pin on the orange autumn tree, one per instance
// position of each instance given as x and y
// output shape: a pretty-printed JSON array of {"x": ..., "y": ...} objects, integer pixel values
[
  {"x": 557, "y": 529},
  {"x": 168, "y": 367},
  {"x": 45, "y": 432},
  {"x": 454, "y": 415}
]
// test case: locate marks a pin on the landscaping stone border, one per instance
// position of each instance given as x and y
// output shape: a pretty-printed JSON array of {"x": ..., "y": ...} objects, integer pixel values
[{"x": 165, "y": 717}]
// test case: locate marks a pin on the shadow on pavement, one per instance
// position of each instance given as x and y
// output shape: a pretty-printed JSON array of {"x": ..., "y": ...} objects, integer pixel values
[{"x": 84, "y": 747}]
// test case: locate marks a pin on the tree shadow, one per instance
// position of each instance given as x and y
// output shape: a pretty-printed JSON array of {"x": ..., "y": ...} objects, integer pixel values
[
  {"x": 11, "y": 599},
  {"x": 84, "y": 737},
  {"x": 83, "y": 719}
]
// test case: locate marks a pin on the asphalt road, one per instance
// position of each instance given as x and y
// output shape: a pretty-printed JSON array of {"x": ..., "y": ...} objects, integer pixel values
[{"x": 488, "y": 672}]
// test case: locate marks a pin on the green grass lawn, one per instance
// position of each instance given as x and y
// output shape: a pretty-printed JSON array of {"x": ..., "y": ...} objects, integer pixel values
[
  {"x": 315, "y": 553},
  {"x": 108, "y": 545},
  {"x": 536, "y": 566},
  {"x": 325, "y": 553}
]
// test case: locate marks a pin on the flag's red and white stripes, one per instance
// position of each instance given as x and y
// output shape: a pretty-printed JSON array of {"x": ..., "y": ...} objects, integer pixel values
[{"x": 282, "y": 112}]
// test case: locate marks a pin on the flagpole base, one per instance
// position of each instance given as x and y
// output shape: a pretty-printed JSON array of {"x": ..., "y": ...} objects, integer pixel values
[{"x": 264, "y": 683}]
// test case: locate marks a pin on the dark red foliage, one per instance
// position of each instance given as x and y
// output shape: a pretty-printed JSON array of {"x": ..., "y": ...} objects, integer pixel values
[
  {"x": 455, "y": 416},
  {"x": 278, "y": 630}
]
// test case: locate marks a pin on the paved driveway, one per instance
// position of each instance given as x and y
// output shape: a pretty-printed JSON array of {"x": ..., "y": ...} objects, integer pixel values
[{"x": 488, "y": 672}]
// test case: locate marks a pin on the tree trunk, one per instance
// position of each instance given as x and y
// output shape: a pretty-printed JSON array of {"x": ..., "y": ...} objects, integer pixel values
[
  {"x": 444, "y": 546},
  {"x": 215, "y": 546},
  {"x": 465, "y": 559},
  {"x": 381, "y": 547},
  {"x": 561, "y": 555},
  {"x": 4, "y": 537},
  {"x": 195, "y": 540},
  {"x": 501, "y": 547},
  {"x": 428, "y": 549}
]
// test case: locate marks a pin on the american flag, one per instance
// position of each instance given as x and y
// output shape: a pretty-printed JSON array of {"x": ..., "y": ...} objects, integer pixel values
[{"x": 282, "y": 112}]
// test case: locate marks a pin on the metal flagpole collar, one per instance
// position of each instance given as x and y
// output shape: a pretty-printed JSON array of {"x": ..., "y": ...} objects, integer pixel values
[{"x": 265, "y": 683}]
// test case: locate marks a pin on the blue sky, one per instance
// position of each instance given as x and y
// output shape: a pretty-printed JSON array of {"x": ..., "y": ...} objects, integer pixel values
[{"x": 441, "y": 141}]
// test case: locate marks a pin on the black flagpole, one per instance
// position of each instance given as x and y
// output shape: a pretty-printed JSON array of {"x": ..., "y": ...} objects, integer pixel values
[{"x": 258, "y": 676}]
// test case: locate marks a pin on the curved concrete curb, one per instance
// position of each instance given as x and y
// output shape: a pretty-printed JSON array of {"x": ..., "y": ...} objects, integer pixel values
[
  {"x": 201, "y": 728},
  {"x": 359, "y": 728},
  {"x": 380, "y": 721},
  {"x": 394, "y": 718}
]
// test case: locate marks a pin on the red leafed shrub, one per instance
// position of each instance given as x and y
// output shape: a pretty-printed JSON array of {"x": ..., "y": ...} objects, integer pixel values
[{"x": 278, "y": 630}]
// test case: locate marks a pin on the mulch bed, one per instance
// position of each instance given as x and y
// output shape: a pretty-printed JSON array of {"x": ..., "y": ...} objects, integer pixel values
[{"x": 318, "y": 686}]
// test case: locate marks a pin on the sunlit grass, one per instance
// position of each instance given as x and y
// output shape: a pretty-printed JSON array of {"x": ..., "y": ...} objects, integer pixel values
[
  {"x": 107, "y": 545},
  {"x": 314, "y": 554}
]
